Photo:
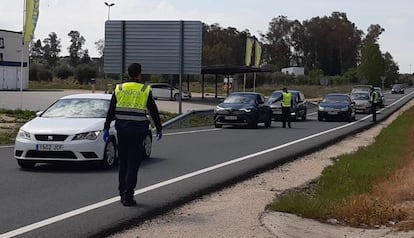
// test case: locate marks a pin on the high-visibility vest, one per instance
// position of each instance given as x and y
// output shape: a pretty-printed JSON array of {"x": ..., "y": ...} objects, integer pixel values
[
  {"x": 374, "y": 97},
  {"x": 287, "y": 100},
  {"x": 132, "y": 100}
]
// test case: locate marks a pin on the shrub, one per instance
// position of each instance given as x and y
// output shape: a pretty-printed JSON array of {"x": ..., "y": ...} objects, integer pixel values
[
  {"x": 84, "y": 73},
  {"x": 63, "y": 72},
  {"x": 44, "y": 75}
]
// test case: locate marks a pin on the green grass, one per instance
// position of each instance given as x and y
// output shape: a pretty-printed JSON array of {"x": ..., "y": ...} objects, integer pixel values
[
  {"x": 352, "y": 174},
  {"x": 19, "y": 115}
]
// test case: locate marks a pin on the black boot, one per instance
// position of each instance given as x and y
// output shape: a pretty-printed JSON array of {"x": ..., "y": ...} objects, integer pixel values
[{"x": 127, "y": 199}]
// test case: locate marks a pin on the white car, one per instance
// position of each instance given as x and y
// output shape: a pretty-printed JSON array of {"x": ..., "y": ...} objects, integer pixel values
[
  {"x": 70, "y": 130},
  {"x": 166, "y": 91}
]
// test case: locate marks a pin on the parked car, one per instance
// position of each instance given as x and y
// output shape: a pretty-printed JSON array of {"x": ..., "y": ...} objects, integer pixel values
[
  {"x": 363, "y": 87},
  {"x": 299, "y": 108},
  {"x": 166, "y": 91},
  {"x": 336, "y": 106},
  {"x": 243, "y": 109},
  {"x": 362, "y": 101},
  {"x": 70, "y": 130},
  {"x": 381, "y": 98},
  {"x": 397, "y": 88}
]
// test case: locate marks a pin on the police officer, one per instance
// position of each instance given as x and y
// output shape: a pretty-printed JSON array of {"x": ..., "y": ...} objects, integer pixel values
[
  {"x": 129, "y": 105},
  {"x": 374, "y": 102},
  {"x": 287, "y": 100}
]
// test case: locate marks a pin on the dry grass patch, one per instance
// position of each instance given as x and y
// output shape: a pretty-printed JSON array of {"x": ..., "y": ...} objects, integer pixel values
[{"x": 391, "y": 201}]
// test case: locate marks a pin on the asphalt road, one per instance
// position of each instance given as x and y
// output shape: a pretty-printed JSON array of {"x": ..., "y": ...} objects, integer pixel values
[{"x": 81, "y": 201}]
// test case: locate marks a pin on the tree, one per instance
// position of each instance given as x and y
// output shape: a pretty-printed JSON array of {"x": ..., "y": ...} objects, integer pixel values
[
  {"x": 36, "y": 50},
  {"x": 372, "y": 65},
  {"x": 86, "y": 59},
  {"x": 75, "y": 48},
  {"x": 223, "y": 46},
  {"x": 100, "y": 45},
  {"x": 391, "y": 69},
  {"x": 278, "y": 42},
  {"x": 51, "y": 49},
  {"x": 374, "y": 31},
  {"x": 331, "y": 43}
]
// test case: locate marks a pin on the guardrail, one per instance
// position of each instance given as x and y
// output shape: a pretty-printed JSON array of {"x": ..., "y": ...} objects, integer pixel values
[{"x": 179, "y": 119}]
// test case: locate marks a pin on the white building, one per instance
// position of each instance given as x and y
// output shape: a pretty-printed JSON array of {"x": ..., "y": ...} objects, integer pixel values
[
  {"x": 11, "y": 60},
  {"x": 294, "y": 71}
]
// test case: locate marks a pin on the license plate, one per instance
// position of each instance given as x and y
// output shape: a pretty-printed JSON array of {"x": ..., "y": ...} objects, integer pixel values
[
  {"x": 49, "y": 147},
  {"x": 230, "y": 117},
  {"x": 332, "y": 113}
]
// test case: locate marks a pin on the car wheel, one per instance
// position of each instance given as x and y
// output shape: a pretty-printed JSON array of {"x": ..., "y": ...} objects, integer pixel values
[
  {"x": 350, "y": 118},
  {"x": 217, "y": 125},
  {"x": 304, "y": 115},
  {"x": 26, "y": 164},
  {"x": 320, "y": 118},
  {"x": 176, "y": 96},
  {"x": 109, "y": 159},
  {"x": 147, "y": 143},
  {"x": 268, "y": 122}
]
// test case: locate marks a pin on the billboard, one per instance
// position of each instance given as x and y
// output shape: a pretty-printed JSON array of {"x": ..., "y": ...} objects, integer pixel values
[{"x": 161, "y": 47}]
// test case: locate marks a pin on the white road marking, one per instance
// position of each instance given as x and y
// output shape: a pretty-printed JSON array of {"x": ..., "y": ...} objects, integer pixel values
[{"x": 85, "y": 209}]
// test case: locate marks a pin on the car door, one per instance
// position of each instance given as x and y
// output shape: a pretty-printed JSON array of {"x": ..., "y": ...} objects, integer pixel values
[
  {"x": 264, "y": 109},
  {"x": 301, "y": 104}
]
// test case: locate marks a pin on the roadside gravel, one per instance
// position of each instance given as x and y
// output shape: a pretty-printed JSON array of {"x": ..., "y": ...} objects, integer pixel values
[{"x": 239, "y": 211}]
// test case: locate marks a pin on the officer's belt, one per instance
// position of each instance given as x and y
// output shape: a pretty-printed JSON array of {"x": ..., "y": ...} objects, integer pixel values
[{"x": 131, "y": 114}]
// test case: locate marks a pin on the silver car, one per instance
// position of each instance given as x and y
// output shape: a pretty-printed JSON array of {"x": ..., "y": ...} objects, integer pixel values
[
  {"x": 166, "y": 91},
  {"x": 362, "y": 101}
]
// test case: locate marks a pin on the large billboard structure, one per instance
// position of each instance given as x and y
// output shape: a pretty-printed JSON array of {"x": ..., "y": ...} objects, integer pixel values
[{"x": 161, "y": 47}]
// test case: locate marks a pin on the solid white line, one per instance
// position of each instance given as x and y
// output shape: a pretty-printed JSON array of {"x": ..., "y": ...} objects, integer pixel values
[
  {"x": 170, "y": 181},
  {"x": 156, "y": 186},
  {"x": 6, "y": 146}
]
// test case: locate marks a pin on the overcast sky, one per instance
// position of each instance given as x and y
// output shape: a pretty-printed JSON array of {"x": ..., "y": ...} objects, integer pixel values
[{"x": 89, "y": 16}]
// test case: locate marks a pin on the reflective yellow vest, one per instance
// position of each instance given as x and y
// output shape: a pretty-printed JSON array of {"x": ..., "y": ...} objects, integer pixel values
[
  {"x": 287, "y": 100},
  {"x": 132, "y": 100},
  {"x": 374, "y": 97}
]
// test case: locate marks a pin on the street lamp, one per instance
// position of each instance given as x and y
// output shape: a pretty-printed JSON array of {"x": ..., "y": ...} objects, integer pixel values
[{"x": 109, "y": 5}]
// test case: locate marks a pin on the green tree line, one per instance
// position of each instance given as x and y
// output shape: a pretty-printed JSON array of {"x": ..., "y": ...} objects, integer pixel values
[{"x": 329, "y": 46}]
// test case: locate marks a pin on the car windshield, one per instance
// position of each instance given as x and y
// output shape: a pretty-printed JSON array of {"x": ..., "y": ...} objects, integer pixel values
[
  {"x": 78, "y": 108},
  {"x": 240, "y": 99},
  {"x": 396, "y": 86},
  {"x": 336, "y": 99},
  {"x": 360, "y": 96}
]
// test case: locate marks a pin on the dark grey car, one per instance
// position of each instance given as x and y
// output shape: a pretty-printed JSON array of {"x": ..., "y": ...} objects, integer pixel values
[
  {"x": 243, "y": 109},
  {"x": 299, "y": 108}
]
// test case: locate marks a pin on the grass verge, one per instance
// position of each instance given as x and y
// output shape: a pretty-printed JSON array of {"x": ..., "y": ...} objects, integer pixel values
[{"x": 356, "y": 189}]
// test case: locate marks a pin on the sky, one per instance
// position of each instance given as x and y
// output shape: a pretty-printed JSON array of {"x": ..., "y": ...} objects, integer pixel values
[{"x": 88, "y": 18}]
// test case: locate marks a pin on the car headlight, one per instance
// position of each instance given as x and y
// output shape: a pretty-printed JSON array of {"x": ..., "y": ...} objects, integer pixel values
[
  {"x": 91, "y": 135},
  {"x": 218, "y": 109},
  {"x": 344, "y": 109},
  {"x": 23, "y": 135},
  {"x": 321, "y": 108}
]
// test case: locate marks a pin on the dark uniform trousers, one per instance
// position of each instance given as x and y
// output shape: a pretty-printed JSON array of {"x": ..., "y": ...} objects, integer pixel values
[
  {"x": 286, "y": 116},
  {"x": 374, "y": 111},
  {"x": 130, "y": 153}
]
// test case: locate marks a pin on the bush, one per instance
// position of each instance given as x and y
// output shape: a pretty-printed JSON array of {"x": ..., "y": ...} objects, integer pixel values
[
  {"x": 44, "y": 75},
  {"x": 33, "y": 72},
  {"x": 63, "y": 72},
  {"x": 84, "y": 73}
]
